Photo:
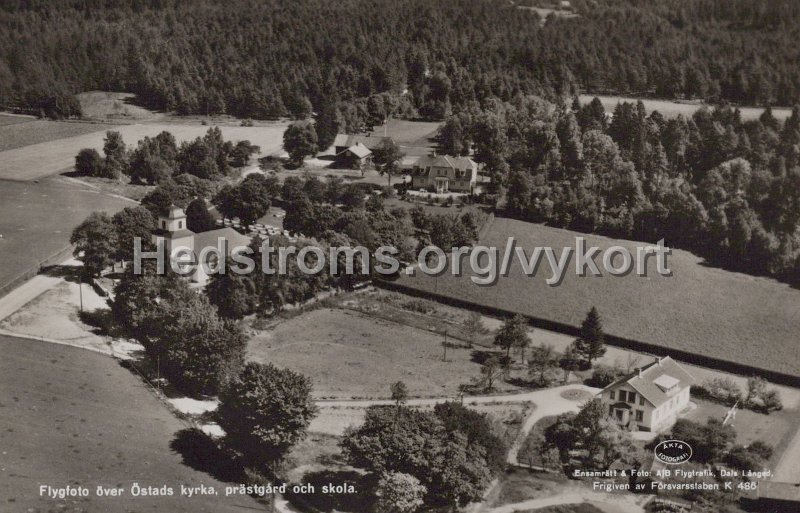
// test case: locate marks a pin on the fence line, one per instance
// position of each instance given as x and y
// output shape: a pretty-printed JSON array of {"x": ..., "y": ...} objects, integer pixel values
[
  {"x": 55, "y": 258},
  {"x": 612, "y": 340}
]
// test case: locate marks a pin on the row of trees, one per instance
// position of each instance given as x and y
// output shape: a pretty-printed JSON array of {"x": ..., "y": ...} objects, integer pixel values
[
  {"x": 157, "y": 159},
  {"x": 329, "y": 214},
  {"x": 264, "y": 410},
  {"x": 757, "y": 395},
  {"x": 714, "y": 184},
  {"x": 204, "y": 57},
  {"x": 543, "y": 361}
]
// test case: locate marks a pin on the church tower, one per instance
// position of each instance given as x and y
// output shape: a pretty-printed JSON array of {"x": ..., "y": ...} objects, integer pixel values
[{"x": 172, "y": 228}]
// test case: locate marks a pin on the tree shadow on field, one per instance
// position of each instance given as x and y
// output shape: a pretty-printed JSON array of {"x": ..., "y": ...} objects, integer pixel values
[
  {"x": 360, "y": 500},
  {"x": 201, "y": 452},
  {"x": 480, "y": 356},
  {"x": 70, "y": 273}
]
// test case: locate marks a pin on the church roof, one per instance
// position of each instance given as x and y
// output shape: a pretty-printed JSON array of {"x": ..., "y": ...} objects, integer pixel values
[{"x": 208, "y": 239}]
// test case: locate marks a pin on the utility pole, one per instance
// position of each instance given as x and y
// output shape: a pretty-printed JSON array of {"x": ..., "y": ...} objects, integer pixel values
[
  {"x": 80, "y": 289},
  {"x": 444, "y": 344}
]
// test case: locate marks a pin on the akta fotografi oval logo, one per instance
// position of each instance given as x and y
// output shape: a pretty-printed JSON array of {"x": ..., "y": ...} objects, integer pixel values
[{"x": 673, "y": 452}]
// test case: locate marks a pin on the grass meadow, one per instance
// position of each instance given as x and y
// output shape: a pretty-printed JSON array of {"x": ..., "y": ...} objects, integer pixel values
[
  {"x": 672, "y": 109},
  {"x": 71, "y": 416},
  {"x": 349, "y": 354},
  {"x": 36, "y": 220},
  {"x": 700, "y": 309},
  {"x": 19, "y": 132},
  {"x": 49, "y": 147}
]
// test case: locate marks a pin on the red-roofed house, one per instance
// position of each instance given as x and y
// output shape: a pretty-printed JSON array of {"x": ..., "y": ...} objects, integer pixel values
[{"x": 650, "y": 398}]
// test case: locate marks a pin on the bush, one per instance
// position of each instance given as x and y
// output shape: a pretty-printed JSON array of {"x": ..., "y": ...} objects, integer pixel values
[
  {"x": 88, "y": 162},
  {"x": 604, "y": 375},
  {"x": 722, "y": 390},
  {"x": 419, "y": 306},
  {"x": 771, "y": 401}
]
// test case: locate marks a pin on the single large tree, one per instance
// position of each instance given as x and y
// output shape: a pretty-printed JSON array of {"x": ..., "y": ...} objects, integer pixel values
[
  {"x": 474, "y": 327},
  {"x": 398, "y": 492},
  {"x": 132, "y": 223},
  {"x": 198, "y": 218},
  {"x": 388, "y": 156},
  {"x": 542, "y": 360},
  {"x": 569, "y": 361},
  {"x": 420, "y": 444},
  {"x": 512, "y": 333},
  {"x": 116, "y": 162},
  {"x": 89, "y": 163},
  {"x": 234, "y": 295},
  {"x": 327, "y": 124},
  {"x": 95, "y": 241},
  {"x": 591, "y": 342},
  {"x": 300, "y": 141},
  {"x": 264, "y": 412}
]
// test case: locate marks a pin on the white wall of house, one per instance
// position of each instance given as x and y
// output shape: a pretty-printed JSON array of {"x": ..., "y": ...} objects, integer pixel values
[
  {"x": 643, "y": 413},
  {"x": 455, "y": 184},
  {"x": 640, "y": 408}
]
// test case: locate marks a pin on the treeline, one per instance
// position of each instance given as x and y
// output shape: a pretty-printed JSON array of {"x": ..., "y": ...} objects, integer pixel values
[
  {"x": 726, "y": 189},
  {"x": 326, "y": 214},
  {"x": 362, "y": 60},
  {"x": 158, "y": 159}
]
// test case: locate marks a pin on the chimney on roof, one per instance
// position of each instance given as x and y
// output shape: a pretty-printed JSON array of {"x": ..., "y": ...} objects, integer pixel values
[
  {"x": 433, "y": 153},
  {"x": 639, "y": 370},
  {"x": 659, "y": 360}
]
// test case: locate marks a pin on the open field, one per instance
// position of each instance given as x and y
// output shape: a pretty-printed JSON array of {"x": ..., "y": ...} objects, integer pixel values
[
  {"x": 349, "y": 354},
  {"x": 409, "y": 133},
  {"x": 671, "y": 109},
  {"x": 15, "y": 119},
  {"x": 36, "y": 220},
  {"x": 29, "y": 131},
  {"x": 56, "y": 153},
  {"x": 106, "y": 105},
  {"x": 71, "y": 416},
  {"x": 700, "y": 310}
]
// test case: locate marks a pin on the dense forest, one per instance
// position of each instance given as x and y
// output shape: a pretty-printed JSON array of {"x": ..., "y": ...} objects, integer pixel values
[
  {"x": 724, "y": 188},
  {"x": 270, "y": 58}
]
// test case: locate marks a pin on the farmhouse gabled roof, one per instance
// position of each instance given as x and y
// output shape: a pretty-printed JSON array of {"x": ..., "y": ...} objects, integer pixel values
[
  {"x": 447, "y": 161},
  {"x": 658, "y": 381},
  {"x": 462, "y": 167},
  {"x": 358, "y": 149}
]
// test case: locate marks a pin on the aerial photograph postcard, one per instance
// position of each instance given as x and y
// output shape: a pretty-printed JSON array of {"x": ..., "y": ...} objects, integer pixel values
[{"x": 400, "y": 256}]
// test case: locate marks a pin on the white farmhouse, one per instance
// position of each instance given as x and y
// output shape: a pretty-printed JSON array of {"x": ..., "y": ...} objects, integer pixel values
[
  {"x": 444, "y": 173},
  {"x": 650, "y": 398}
]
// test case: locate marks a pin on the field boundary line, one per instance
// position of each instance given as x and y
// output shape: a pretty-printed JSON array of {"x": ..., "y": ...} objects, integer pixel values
[
  {"x": 14, "y": 334},
  {"x": 55, "y": 258},
  {"x": 612, "y": 340}
]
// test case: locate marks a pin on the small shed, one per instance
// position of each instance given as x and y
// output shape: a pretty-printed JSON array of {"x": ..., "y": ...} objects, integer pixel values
[{"x": 354, "y": 157}]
